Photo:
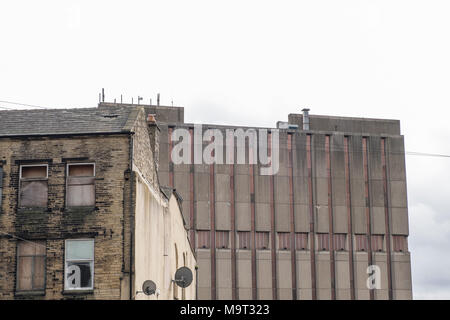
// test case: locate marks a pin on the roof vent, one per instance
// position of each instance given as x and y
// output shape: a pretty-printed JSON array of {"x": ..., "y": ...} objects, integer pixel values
[{"x": 305, "y": 119}]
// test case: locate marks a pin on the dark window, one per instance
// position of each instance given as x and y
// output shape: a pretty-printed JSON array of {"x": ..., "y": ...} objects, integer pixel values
[
  {"x": 33, "y": 186},
  {"x": 340, "y": 243},
  {"x": 361, "y": 242},
  {"x": 222, "y": 239},
  {"x": 323, "y": 243},
  {"x": 244, "y": 239},
  {"x": 203, "y": 239},
  {"x": 400, "y": 243},
  {"x": 79, "y": 269},
  {"x": 284, "y": 241},
  {"x": 80, "y": 185},
  {"x": 30, "y": 265},
  {"x": 377, "y": 242},
  {"x": 301, "y": 241},
  {"x": 262, "y": 240}
]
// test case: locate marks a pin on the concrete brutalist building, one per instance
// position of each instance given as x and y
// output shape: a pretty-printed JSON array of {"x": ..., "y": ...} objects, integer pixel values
[{"x": 337, "y": 205}]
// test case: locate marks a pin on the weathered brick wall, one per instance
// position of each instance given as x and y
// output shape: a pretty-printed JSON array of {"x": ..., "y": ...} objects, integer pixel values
[{"x": 104, "y": 222}]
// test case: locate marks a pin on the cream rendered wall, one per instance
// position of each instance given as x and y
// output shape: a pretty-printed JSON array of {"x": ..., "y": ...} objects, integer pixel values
[{"x": 161, "y": 244}]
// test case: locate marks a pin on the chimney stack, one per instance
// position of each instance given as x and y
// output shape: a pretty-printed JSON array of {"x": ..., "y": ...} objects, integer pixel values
[{"x": 305, "y": 119}]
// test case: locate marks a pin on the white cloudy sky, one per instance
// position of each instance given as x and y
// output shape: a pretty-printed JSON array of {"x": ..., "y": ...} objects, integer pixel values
[{"x": 254, "y": 62}]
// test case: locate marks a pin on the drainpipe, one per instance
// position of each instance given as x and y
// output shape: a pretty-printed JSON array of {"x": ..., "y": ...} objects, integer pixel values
[{"x": 305, "y": 119}]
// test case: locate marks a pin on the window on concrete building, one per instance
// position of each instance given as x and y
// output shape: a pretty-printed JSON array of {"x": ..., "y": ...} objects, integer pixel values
[
  {"x": 323, "y": 242},
  {"x": 31, "y": 265},
  {"x": 284, "y": 241},
  {"x": 203, "y": 239},
  {"x": 400, "y": 243},
  {"x": 80, "y": 185},
  {"x": 79, "y": 264},
  {"x": 33, "y": 186},
  {"x": 222, "y": 239},
  {"x": 377, "y": 242},
  {"x": 340, "y": 241},
  {"x": 361, "y": 242},
  {"x": 262, "y": 240},
  {"x": 244, "y": 239},
  {"x": 301, "y": 241}
]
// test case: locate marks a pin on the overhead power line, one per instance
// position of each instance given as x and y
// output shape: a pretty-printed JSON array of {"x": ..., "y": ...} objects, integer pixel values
[{"x": 22, "y": 104}]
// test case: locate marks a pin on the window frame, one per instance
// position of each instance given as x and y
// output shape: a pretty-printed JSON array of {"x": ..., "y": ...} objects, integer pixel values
[
  {"x": 67, "y": 184},
  {"x": 66, "y": 288},
  {"x": 21, "y": 179},
  {"x": 18, "y": 256}
]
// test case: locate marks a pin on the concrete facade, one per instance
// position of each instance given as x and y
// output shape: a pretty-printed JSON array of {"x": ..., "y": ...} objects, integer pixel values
[
  {"x": 137, "y": 229},
  {"x": 343, "y": 180}
]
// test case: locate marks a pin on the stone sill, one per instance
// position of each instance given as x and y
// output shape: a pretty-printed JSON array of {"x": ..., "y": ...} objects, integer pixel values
[
  {"x": 87, "y": 209},
  {"x": 30, "y": 293},
  {"x": 78, "y": 292},
  {"x": 31, "y": 210}
]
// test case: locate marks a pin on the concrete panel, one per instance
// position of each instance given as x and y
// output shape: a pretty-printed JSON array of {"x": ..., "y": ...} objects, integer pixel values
[
  {"x": 281, "y": 187},
  {"x": 301, "y": 213},
  {"x": 376, "y": 169},
  {"x": 299, "y": 155},
  {"x": 223, "y": 216},
  {"x": 283, "y": 159},
  {"x": 360, "y": 266},
  {"x": 397, "y": 167},
  {"x": 262, "y": 217},
  {"x": 342, "y": 270},
  {"x": 284, "y": 294},
  {"x": 182, "y": 185},
  {"x": 204, "y": 293},
  {"x": 382, "y": 294},
  {"x": 304, "y": 294},
  {"x": 163, "y": 177},
  {"x": 359, "y": 223},
  {"x": 337, "y": 156},
  {"x": 243, "y": 216},
  {"x": 403, "y": 295},
  {"x": 320, "y": 163},
  {"x": 301, "y": 193},
  {"x": 400, "y": 224},
  {"x": 223, "y": 273},
  {"x": 284, "y": 272},
  {"x": 204, "y": 270},
  {"x": 244, "y": 270},
  {"x": 402, "y": 275},
  {"x": 263, "y": 269},
  {"x": 378, "y": 220},
  {"x": 201, "y": 183},
  {"x": 340, "y": 220},
  {"x": 282, "y": 217},
  {"x": 323, "y": 294},
  {"x": 356, "y": 157},
  {"x": 377, "y": 193},
  {"x": 339, "y": 192},
  {"x": 321, "y": 191},
  {"x": 222, "y": 187},
  {"x": 380, "y": 259},
  {"x": 262, "y": 189},
  {"x": 264, "y": 294},
  {"x": 398, "y": 194},
  {"x": 203, "y": 215},
  {"x": 343, "y": 294},
  {"x": 362, "y": 294},
  {"x": 357, "y": 192},
  {"x": 323, "y": 275},
  {"x": 245, "y": 294},
  {"x": 322, "y": 219},
  {"x": 242, "y": 187}
]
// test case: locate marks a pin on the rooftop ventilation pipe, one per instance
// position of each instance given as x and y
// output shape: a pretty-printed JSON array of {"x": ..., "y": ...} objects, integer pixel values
[{"x": 305, "y": 119}]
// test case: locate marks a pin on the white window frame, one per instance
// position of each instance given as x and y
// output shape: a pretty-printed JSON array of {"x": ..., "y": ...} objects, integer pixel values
[
  {"x": 67, "y": 178},
  {"x": 66, "y": 287}
]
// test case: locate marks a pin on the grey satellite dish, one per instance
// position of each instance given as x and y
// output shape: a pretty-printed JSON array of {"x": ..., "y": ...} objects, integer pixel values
[
  {"x": 183, "y": 277},
  {"x": 149, "y": 287}
]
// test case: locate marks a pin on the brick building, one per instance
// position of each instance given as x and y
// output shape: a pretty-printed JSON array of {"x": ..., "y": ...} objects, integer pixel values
[
  {"x": 83, "y": 215},
  {"x": 336, "y": 206}
]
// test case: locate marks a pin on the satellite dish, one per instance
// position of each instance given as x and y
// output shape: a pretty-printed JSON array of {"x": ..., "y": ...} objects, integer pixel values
[
  {"x": 183, "y": 277},
  {"x": 149, "y": 287}
]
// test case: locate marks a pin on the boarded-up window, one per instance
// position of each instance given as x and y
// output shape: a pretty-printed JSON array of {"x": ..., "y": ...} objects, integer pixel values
[
  {"x": 323, "y": 243},
  {"x": 203, "y": 239},
  {"x": 31, "y": 265},
  {"x": 301, "y": 241},
  {"x": 377, "y": 242},
  {"x": 400, "y": 243},
  {"x": 222, "y": 239},
  {"x": 262, "y": 240},
  {"x": 33, "y": 186},
  {"x": 244, "y": 239},
  {"x": 361, "y": 242},
  {"x": 340, "y": 243},
  {"x": 284, "y": 241},
  {"x": 80, "y": 185},
  {"x": 79, "y": 267}
]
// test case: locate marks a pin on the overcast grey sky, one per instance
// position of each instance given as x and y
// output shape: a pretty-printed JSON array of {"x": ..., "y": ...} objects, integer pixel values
[{"x": 252, "y": 63}]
